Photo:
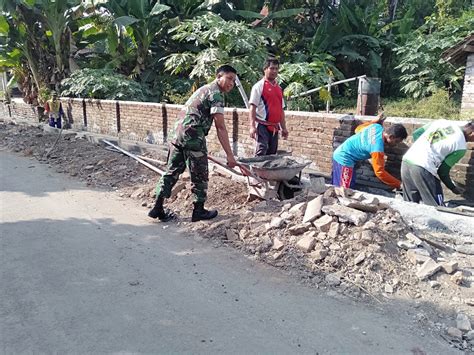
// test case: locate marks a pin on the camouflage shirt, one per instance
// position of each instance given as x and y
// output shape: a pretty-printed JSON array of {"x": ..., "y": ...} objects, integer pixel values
[{"x": 195, "y": 120}]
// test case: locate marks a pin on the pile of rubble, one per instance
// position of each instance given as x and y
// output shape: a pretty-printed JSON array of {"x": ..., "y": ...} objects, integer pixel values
[{"x": 341, "y": 239}]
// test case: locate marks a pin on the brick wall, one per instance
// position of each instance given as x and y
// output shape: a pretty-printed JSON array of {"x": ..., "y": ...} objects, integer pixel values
[{"x": 311, "y": 135}]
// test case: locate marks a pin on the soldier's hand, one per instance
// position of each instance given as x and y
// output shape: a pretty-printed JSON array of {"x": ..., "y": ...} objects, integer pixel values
[
  {"x": 231, "y": 162},
  {"x": 284, "y": 133}
]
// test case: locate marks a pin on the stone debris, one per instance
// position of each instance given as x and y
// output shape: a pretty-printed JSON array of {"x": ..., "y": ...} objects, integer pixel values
[
  {"x": 313, "y": 209},
  {"x": 346, "y": 214},
  {"x": 277, "y": 244},
  {"x": 454, "y": 333},
  {"x": 348, "y": 239},
  {"x": 306, "y": 243},
  {"x": 323, "y": 223},
  {"x": 449, "y": 267},
  {"x": 277, "y": 222},
  {"x": 406, "y": 244},
  {"x": 318, "y": 254},
  {"x": 359, "y": 258},
  {"x": 469, "y": 335},
  {"x": 417, "y": 255},
  {"x": 414, "y": 239},
  {"x": 463, "y": 323},
  {"x": 299, "y": 229},
  {"x": 298, "y": 209},
  {"x": 427, "y": 269}
]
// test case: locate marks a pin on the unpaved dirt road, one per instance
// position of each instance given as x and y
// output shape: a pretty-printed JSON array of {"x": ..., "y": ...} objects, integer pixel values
[{"x": 83, "y": 271}]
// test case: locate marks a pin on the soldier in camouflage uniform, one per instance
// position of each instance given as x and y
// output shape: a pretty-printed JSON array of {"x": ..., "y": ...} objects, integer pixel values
[{"x": 188, "y": 145}]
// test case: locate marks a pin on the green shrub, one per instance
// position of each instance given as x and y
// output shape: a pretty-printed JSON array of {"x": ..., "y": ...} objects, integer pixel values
[
  {"x": 103, "y": 84},
  {"x": 438, "y": 105}
]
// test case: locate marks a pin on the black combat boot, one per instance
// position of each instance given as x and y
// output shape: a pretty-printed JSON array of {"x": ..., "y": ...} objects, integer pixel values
[
  {"x": 200, "y": 213},
  {"x": 159, "y": 212}
]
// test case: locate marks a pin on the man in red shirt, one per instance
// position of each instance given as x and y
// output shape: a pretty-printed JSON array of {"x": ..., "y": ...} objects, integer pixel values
[{"x": 267, "y": 116}]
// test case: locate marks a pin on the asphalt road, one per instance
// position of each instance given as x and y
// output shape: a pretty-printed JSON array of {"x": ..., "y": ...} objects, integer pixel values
[{"x": 83, "y": 271}]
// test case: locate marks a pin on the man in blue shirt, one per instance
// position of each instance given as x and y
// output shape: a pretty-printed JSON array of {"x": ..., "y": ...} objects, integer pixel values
[{"x": 367, "y": 143}]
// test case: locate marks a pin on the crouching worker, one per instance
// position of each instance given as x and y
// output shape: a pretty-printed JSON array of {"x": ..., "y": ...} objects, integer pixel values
[
  {"x": 437, "y": 147},
  {"x": 368, "y": 143},
  {"x": 188, "y": 146},
  {"x": 54, "y": 109}
]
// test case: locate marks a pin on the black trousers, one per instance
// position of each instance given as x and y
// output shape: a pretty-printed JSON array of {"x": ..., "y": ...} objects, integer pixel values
[{"x": 267, "y": 142}]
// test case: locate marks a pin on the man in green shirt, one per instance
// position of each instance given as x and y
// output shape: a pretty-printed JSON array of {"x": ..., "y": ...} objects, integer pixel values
[
  {"x": 188, "y": 146},
  {"x": 437, "y": 147}
]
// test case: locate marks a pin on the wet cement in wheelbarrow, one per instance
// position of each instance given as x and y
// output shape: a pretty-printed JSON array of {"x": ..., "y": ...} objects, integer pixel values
[{"x": 283, "y": 162}]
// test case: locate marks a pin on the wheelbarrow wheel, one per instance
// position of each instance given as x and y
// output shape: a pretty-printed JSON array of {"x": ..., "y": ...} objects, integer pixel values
[{"x": 286, "y": 192}]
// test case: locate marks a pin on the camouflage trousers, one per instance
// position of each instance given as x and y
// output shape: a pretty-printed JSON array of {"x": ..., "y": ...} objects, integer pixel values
[{"x": 178, "y": 159}]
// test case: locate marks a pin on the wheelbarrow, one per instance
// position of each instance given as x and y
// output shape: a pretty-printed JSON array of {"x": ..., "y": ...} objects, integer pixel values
[{"x": 270, "y": 176}]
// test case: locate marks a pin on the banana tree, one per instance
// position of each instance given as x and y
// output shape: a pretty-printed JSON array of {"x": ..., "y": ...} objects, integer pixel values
[
  {"x": 57, "y": 16},
  {"x": 142, "y": 19}
]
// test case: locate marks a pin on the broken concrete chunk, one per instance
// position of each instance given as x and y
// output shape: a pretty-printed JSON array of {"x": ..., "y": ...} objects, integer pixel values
[
  {"x": 417, "y": 255},
  {"x": 277, "y": 222},
  {"x": 286, "y": 216},
  {"x": 405, "y": 244},
  {"x": 414, "y": 239},
  {"x": 321, "y": 236},
  {"x": 469, "y": 335},
  {"x": 359, "y": 258},
  {"x": 323, "y": 223},
  {"x": 277, "y": 255},
  {"x": 429, "y": 268},
  {"x": 299, "y": 229},
  {"x": 298, "y": 209},
  {"x": 449, "y": 267},
  {"x": 335, "y": 247},
  {"x": 277, "y": 244},
  {"x": 330, "y": 192},
  {"x": 388, "y": 288},
  {"x": 463, "y": 323},
  {"x": 346, "y": 214},
  {"x": 361, "y": 206},
  {"x": 454, "y": 333},
  {"x": 318, "y": 254},
  {"x": 306, "y": 243},
  {"x": 313, "y": 209},
  {"x": 333, "y": 230}
]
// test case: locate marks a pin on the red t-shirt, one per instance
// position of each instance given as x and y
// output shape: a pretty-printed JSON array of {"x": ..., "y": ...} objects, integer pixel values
[{"x": 268, "y": 98}]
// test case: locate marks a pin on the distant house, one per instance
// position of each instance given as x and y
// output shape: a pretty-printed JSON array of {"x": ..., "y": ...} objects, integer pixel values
[{"x": 463, "y": 54}]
